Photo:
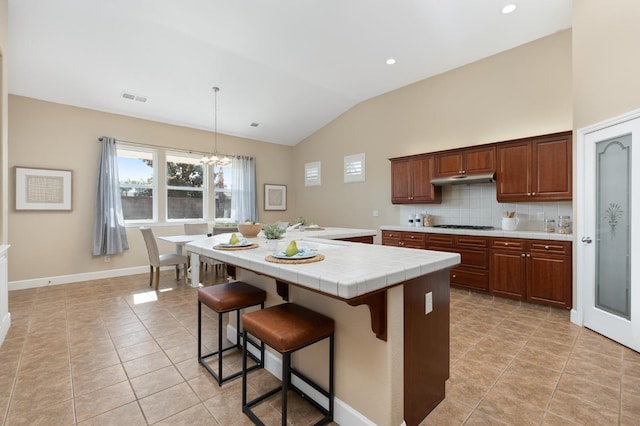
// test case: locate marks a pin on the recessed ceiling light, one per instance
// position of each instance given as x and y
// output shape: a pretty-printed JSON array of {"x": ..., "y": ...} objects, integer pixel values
[
  {"x": 391, "y": 61},
  {"x": 509, "y": 8}
]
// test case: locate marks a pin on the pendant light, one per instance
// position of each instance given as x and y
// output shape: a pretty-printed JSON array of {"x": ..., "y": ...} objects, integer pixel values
[{"x": 214, "y": 159}]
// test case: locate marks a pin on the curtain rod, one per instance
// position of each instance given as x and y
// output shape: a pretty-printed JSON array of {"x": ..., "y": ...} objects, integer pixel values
[{"x": 164, "y": 147}]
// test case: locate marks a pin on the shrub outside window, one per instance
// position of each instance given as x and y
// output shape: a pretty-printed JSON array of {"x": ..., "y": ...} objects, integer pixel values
[
  {"x": 222, "y": 177},
  {"x": 186, "y": 196}
]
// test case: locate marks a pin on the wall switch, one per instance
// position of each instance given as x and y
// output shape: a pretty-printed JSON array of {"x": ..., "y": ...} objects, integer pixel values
[
  {"x": 107, "y": 259},
  {"x": 375, "y": 213},
  {"x": 428, "y": 303}
]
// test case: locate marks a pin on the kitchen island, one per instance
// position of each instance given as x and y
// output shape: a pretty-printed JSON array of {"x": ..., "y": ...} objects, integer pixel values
[{"x": 392, "y": 358}]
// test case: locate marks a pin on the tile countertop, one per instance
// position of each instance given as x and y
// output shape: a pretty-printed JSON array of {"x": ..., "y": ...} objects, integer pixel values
[
  {"x": 348, "y": 269},
  {"x": 331, "y": 233},
  {"x": 496, "y": 232}
]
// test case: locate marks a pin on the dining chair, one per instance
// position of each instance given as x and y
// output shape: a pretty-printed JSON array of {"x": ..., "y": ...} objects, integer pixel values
[
  {"x": 157, "y": 260},
  {"x": 201, "y": 228}
]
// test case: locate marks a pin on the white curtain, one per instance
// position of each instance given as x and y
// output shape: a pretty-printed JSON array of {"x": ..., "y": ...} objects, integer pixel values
[
  {"x": 243, "y": 189},
  {"x": 109, "y": 233}
]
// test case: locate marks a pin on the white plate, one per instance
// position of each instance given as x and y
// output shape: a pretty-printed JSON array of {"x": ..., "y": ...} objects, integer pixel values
[
  {"x": 302, "y": 254},
  {"x": 241, "y": 243}
]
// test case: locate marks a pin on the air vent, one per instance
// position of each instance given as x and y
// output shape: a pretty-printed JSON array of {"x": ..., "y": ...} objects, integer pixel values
[
  {"x": 254, "y": 124},
  {"x": 133, "y": 97}
]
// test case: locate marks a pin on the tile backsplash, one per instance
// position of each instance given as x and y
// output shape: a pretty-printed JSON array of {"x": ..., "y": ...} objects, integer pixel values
[{"x": 477, "y": 205}]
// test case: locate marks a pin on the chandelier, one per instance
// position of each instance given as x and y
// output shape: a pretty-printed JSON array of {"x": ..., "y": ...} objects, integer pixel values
[{"x": 215, "y": 159}]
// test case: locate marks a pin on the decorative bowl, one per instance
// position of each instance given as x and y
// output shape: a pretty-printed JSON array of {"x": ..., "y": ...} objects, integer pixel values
[{"x": 249, "y": 230}]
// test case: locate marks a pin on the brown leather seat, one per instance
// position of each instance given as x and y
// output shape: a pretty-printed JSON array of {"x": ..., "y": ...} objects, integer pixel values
[
  {"x": 222, "y": 298},
  {"x": 231, "y": 296},
  {"x": 287, "y": 328}
]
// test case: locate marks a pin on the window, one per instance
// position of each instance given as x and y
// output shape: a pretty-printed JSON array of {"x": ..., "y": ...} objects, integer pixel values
[
  {"x": 137, "y": 183},
  {"x": 222, "y": 178},
  {"x": 354, "y": 168},
  {"x": 312, "y": 174},
  {"x": 185, "y": 187}
]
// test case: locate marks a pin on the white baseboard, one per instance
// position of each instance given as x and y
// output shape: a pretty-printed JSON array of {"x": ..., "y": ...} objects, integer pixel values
[
  {"x": 4, "y": 327},
  {"x": 87, "y": 276},
  {"x": 343, "y": 414}
]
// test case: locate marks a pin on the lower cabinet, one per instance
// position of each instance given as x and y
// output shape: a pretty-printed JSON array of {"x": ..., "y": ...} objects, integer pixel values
[
  {"x": 473, "y": 270},
  {"x": 538, "y": 271},
  {"x": 404, "y": 239}
]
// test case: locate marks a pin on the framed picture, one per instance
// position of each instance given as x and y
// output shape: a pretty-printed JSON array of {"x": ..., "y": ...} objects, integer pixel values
[
  {"x": 43, "y": 189},
  {"x": 275, "y": 197}
]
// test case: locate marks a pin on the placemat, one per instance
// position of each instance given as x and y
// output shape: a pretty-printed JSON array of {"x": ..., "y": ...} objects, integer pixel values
[
  {"x": 251, "y": 246},
  {"x": 316, "y": 258}
]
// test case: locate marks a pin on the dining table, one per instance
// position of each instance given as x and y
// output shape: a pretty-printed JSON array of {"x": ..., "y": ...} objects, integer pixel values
[{"x": 181, "y": 240}]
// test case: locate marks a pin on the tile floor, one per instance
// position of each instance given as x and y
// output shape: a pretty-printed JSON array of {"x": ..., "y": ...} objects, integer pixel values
[{"x": 110, "y": 352}]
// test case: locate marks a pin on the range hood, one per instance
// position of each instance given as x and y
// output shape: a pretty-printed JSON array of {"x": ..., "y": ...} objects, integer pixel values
[{"x": 464, "y": 179}]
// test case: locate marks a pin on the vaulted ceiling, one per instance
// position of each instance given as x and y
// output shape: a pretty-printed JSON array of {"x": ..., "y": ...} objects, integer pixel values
[{"x": 289, "y": 66}]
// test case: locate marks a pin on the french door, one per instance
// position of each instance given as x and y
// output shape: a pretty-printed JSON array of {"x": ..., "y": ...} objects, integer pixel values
[{"x": 609, "y": 229}]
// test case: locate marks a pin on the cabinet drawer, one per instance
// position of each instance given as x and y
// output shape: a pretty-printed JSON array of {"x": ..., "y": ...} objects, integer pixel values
[
  {"x": 477, "y": 280},
  {"x": 471, "y": 241},
  {"x": 474, "y": 258},
  {"x": 445, "y": 240},
  {"x": 414, "y": 236},
  {"x": 554, "y": 247},
  {"x": 507, "y": 244},
  {"x": 390, "y": 238}
]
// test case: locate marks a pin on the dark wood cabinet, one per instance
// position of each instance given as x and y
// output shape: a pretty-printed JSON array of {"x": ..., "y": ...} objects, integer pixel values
[
  {"x": 404, "y": 239},
  {"x": 481, "y": 159},
  {"x": 538, "y": 271},
  {"x": 473, "y": 270},
  {"x": 535, "y": 169},
  {"x": 411, "y": 180}
]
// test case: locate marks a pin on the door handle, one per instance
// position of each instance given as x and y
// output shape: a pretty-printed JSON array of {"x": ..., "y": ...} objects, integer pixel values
[{"x": 586, "y": 240}]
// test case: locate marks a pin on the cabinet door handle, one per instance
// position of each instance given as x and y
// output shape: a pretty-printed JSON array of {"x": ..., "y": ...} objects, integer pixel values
[
  {"x": 453, "y": 276},
  {"x": 528, "y": 194},
  {"x": 528, "y": 254},
  {"x": 533, "y": 193},
  {"x": 546, "y": 247},
  {"x": 506, "y": 244},
  {"x": 523, "y": 255}
]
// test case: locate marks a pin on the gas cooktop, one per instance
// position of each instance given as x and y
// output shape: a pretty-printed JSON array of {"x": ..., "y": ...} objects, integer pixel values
[{"x": 479, "y": 227}]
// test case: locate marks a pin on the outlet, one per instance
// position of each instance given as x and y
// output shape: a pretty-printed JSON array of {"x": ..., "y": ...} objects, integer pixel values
[
  {"x": 428, "y": 303},
  {"x": 107, "y": 259},
  {"x": 376, "y": 213}
]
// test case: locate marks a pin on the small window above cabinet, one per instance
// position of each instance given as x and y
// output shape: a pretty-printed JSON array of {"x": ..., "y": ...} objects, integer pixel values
[
  {"x": 481, "y": 159},
  {"x": 411, "y": 180}
]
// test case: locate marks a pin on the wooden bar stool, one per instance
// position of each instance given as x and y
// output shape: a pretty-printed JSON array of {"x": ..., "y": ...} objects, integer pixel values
[
  {"x": 222, "y": 298},
  {"x": 287, "y": 328}
]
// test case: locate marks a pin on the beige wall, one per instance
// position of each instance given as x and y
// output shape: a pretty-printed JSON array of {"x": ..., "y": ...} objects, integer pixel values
[
  {"x": 522, "y": 92},
  {"x": 4, "y": 103},
  {"x": 48, "y": 135},
  {"x": 605, "y": 59}
]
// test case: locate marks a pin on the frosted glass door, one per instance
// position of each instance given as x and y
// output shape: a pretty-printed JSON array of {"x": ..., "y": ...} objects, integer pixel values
[
  {"x": 613, "y": 245},
  {"x": 608, "y": 268}
]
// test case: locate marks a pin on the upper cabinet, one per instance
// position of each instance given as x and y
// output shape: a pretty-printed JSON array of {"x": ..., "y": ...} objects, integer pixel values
[
  {"x": 481, "y": 159},
  {"x": 535, "y": 169},
  {"x": 411, "y": 180}
]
